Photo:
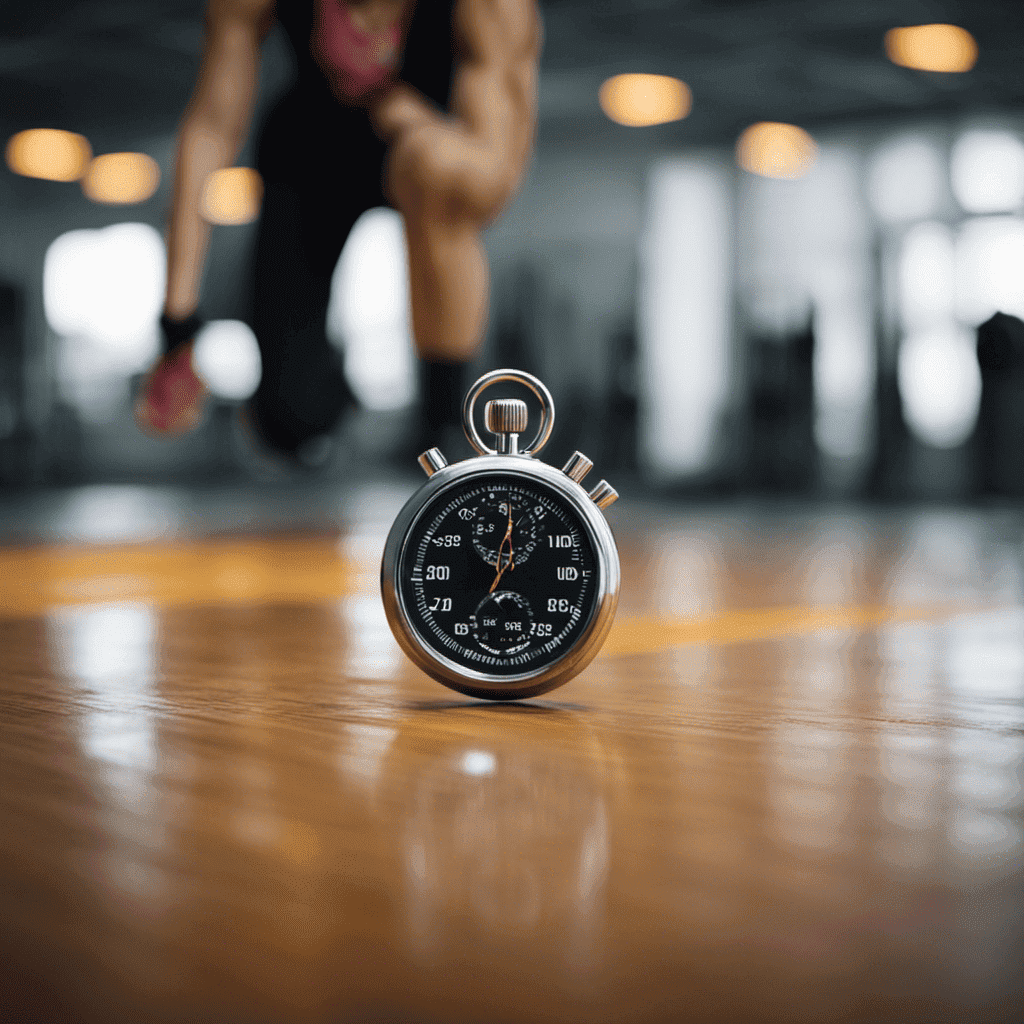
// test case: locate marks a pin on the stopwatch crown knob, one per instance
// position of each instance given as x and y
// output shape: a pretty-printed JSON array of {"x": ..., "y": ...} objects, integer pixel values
[{"x": 506, "y": 418}]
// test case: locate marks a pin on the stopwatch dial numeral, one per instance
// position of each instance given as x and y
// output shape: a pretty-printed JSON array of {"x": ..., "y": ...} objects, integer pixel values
[{"x": 499, "y": 576}]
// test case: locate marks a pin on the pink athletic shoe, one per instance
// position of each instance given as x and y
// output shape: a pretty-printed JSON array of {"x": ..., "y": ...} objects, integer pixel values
[{"x": 172, "y": 397}]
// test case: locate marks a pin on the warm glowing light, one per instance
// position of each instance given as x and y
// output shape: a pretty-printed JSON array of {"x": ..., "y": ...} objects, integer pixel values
[
  {"x": 232, "y": 196},
  {"x": 932, "y": 47},
  {"x": 987, "y": 171},
  {"x": 121, "y": 178},
  {"x": 49, "y": 154},
  {"x": 640, "y": 100},
  {"x": 776, "y": 150}
]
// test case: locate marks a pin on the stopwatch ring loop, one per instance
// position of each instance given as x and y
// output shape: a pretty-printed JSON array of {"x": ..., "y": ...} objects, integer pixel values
[{"x": 547, "y": 407}]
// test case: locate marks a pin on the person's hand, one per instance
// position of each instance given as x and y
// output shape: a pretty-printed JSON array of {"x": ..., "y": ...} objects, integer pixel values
[
  {"x": 172, "y": 396},
  {"x": 399, "y": 109}
]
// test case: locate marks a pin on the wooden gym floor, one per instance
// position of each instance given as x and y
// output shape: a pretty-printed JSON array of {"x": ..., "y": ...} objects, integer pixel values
[{"x": 789, "y": 788}]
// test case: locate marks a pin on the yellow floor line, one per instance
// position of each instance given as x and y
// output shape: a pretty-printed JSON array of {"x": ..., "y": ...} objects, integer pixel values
[
  {"x": 207, "y": 572},
  {"x": 304, "y": 570},
  {"x": 648, "y": 634}
]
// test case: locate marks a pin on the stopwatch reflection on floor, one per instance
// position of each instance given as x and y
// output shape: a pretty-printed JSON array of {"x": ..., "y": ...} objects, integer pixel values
[{"x": 500, "y": 575}]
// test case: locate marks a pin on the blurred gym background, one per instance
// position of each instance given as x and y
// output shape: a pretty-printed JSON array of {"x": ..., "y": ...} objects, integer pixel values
[{"x": 752, "y": 255}]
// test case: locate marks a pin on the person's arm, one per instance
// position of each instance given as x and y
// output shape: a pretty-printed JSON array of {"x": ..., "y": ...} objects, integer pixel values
[
  {"x": 494, "y": 91},
  {"x": 451, "y": 173},
  {"x": 211, "y": 134},
  {"x": 493, "y": 107}
]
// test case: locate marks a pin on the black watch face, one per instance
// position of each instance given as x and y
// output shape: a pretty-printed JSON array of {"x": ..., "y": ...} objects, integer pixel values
[{"x": 499, "y": 575}]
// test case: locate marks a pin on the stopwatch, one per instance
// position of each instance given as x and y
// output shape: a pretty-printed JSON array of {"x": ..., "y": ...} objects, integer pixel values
[{"x": 500, "y": 574}]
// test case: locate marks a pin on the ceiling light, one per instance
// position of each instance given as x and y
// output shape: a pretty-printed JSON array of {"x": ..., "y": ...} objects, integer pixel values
[
  {"x": 121, "y": 178},
  {"x": 932, "y": 47},
  {"x": 48, "y": 153},
  {"x": 776, "y": 150},
  {"x": 232, "y": 196},
  {"x": 641, "y": 100}
]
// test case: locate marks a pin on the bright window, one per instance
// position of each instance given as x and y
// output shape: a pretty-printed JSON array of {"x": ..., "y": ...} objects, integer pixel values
[{"x": 368, "y": 314}]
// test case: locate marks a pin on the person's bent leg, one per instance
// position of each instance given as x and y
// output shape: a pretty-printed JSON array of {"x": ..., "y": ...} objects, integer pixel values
[
  {"x": 446, "y": 193},
  {"x": 449, "y": 283},
  {"x": 451, "y": 173}
]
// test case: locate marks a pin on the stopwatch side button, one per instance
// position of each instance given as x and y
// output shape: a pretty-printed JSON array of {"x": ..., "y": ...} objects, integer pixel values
[
  {"x": 431, "y": 461},
  {"x": 577, "y": 467},
  {"x": 604, "y": 494}
]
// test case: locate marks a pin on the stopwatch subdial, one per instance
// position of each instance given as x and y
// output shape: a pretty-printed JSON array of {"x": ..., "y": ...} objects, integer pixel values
[
  {"x": 492, "y": 538},
  {"x": 503, "y": 623}
]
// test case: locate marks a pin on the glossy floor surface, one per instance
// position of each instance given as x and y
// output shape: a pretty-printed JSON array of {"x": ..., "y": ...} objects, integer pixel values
[{"x": 788, "y": 789}]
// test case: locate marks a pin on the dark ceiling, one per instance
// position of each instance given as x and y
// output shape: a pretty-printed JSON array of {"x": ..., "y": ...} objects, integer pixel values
[{"x": 122, "y": 69}]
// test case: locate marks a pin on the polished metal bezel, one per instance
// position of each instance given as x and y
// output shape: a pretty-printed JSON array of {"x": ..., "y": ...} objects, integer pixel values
[{"x": 482, "y": 684}]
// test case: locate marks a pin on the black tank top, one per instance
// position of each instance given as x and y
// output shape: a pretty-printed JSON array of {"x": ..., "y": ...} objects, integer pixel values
[{"x": 427, "y": 62}]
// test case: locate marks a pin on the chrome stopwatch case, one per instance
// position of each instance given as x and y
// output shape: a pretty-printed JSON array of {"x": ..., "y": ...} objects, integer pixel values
[{"x": 500, "y": 575}]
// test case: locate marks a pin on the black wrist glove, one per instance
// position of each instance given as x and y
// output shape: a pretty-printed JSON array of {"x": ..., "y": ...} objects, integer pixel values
[{"x": 175, "y": 333}]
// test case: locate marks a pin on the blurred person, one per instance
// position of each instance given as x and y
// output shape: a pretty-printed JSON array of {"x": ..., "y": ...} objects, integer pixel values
[
  {"x": 999, "y": 431},
  {"x": 428, "y": 106}
]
